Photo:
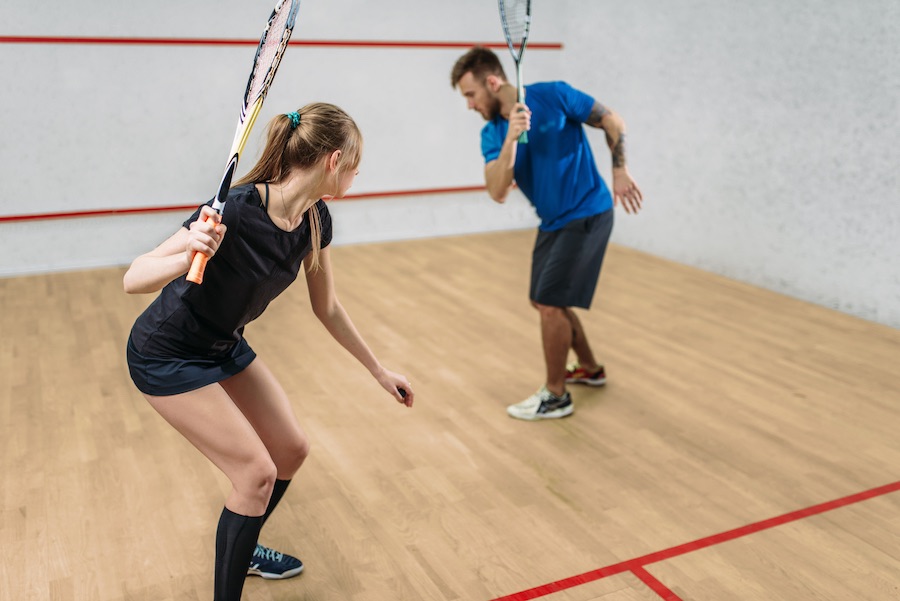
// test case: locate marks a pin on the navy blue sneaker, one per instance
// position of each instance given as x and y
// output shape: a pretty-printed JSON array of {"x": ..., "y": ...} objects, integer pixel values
[{"x": 272, "y": 565}]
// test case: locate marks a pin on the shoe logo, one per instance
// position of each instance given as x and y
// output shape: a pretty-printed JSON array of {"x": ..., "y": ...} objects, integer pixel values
[{"x": 554, "y": 403}]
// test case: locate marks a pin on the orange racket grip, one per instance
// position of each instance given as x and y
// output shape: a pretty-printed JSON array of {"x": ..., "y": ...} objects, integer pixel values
[{"x": 198, "y": 266}]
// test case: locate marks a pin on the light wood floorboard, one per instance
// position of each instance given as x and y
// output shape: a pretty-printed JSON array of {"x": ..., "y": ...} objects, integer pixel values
[{"x": 726, "y": 405}]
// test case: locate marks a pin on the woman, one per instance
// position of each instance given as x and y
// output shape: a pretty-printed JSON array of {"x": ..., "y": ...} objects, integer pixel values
[{"x": 187, "y": 353}]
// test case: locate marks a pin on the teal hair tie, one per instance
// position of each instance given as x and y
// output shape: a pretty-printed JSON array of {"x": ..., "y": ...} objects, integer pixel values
[{"x": 295, "y": 119}]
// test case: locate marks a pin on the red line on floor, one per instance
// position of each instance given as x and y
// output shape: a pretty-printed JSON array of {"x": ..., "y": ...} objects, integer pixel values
[
  {"x": 138, "y": 41},
  {"x": 655, "y": 585},
  {"x": 143, "y": 210},
  {"x": 632, "y": 565}
]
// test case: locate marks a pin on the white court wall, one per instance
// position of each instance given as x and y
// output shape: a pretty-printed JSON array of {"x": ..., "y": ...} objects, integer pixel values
[
  {"x": 763, "y": 134},
  {"x": 127, "y": 126}
]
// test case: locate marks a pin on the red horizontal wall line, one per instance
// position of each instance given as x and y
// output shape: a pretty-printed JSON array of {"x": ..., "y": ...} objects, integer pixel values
[
  {"x": 393, "y": 193},
  {"x": 137, "y": 41},
  {"x": 145, "y": 210},
  {"x": 632, "y": 565}
]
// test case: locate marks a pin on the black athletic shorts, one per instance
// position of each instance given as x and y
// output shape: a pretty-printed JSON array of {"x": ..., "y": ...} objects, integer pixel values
[
  {"x": 566, "y": 263},
  {"x": 165, "y": 376}
]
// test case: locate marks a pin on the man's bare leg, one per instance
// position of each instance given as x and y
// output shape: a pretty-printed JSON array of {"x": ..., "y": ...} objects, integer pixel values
[
  {"x": 556, "y": 334},
  {"x": 580, "y": 344}
]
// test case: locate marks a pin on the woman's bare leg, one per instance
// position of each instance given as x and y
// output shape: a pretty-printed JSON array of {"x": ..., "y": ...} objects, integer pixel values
[
  {"x": 265, "y": 405},
  {"x": 213, "y": 423}
]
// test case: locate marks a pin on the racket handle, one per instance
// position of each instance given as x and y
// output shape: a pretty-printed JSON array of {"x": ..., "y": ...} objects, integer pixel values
[
  {"x": 198, "y": 266},
  {"x": 523, "y": 137}
]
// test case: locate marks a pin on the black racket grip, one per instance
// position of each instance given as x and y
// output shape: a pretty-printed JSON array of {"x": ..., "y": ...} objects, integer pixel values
[{"x": 402, "y": 392}]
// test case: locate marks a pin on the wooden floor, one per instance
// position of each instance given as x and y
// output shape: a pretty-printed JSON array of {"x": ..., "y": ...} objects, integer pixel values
[{"x": 726, "y": 406}]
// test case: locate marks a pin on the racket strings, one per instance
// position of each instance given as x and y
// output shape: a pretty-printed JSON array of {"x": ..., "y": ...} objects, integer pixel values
[
  {"x": 515, "y": 15},
  {"x": 269, "y": 53}
]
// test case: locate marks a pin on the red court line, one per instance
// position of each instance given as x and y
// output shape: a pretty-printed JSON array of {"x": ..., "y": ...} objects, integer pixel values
[
  {"x": 144, "y": 210},
  {"x": 632, "y": 565},
  {"x": 139, "y": 41},
  {"x": 655, "y": 585},
  {"x": 94, "y": 213}
]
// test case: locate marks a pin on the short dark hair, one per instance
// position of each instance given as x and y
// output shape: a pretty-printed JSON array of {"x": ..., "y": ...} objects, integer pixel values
[{"x": 480, "y": 61}]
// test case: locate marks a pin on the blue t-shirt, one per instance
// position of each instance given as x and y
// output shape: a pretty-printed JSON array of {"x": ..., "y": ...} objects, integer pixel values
[{"x": 555, "y": 169}]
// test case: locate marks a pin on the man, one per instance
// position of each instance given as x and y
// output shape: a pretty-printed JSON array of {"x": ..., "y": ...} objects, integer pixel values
[{"x": 555, "y": 170}]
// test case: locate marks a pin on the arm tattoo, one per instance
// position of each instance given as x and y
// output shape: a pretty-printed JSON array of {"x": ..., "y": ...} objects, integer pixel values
[
  {"x": 615, "y": 139},
  {"x": 618, "y": 151},
  {"x": 598, "y": 111}
]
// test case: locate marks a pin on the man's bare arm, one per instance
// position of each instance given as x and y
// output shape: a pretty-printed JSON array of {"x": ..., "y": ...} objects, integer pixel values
[
  {"x": 498, "y": 177},
  {"x": 614, "y": 127},
  {"x": 625, "y": 190},
  {"x": 498, "y": 174}
]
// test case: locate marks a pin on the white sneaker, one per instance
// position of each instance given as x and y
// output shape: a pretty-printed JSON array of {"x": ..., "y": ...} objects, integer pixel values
[{"x": 543, "y": 404}]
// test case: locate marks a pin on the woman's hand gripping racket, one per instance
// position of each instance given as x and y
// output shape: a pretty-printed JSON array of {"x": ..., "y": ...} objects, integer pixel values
[
  {"x": 271, "y": 48},
  {"x": 515, "y": 15}
]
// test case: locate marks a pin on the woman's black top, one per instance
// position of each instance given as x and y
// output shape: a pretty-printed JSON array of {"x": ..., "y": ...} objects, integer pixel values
[{"x": 256, "y": 261}]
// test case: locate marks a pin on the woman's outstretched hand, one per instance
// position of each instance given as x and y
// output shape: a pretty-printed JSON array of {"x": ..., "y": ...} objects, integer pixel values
[{"x": 399, "y": 387}]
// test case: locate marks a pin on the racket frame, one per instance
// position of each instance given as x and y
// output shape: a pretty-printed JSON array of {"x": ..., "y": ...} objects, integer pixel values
[
  {"x": 250, "y": 109},
  {"x": 517, "y": 55}
]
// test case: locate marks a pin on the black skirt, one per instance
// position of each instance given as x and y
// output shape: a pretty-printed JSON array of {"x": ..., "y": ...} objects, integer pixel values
[{"x": 165, "y": 376}]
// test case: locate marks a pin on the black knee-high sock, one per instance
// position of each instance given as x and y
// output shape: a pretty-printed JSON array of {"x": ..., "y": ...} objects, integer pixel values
[
  {"x": 235, "y": 542},
  {"x": 277, "y": 493}
]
